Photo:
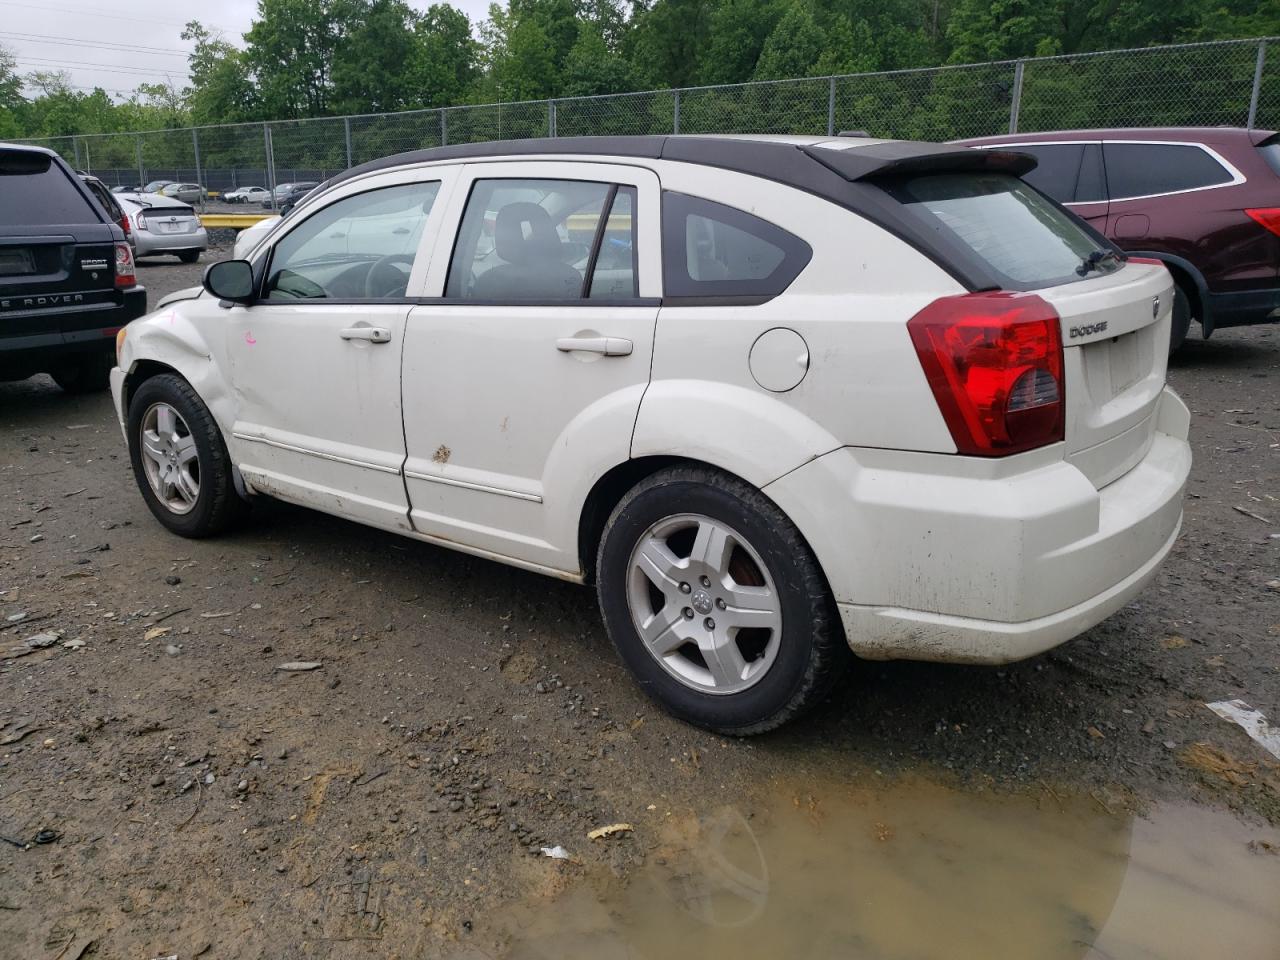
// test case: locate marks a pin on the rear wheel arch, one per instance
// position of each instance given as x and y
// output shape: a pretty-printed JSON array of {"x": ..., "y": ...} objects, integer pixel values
[
  {"x": 1189, "y": 280},
  {"x": 614, "y": 485}
]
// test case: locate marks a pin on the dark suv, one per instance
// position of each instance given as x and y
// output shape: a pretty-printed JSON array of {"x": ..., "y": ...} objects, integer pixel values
[
  {"x": 1205, "y": 200},
  {"x": 67, "y": 282}
]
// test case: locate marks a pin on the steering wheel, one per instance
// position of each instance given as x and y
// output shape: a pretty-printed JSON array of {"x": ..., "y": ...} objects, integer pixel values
[{"x": 374, "y": 288}]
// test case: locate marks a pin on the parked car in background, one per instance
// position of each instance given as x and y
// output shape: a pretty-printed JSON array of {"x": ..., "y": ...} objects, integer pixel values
[
  {"x": 1203, "y": 200},
  {"x": 247, "y": 195},
  {"x": 126, "y": 189},
  {"x": 249, "y": 237},
  {"x": 163, "y": 225},
  {"x": 295, "y": 196},
  {"x": 285, "y": 191},
  {"x": 775, "y": 397},
  {"x": 67, "y": 280},
  {"x": 109, "y": 203},
  {"x": 186, "y": 192},
  {"x": 155, "y": 186}
]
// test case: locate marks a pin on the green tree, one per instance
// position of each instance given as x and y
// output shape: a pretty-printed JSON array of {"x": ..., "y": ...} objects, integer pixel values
[
  {"x": 738, "y": 31},
  {"x": 292, "y": 46},
  {"x": 520, "y": 60},
  {"x": 443, "y": 63},
  {"x": 219, "y": 91},
  {"x": 591, "y": 67},
  {"x": 668, "y": 41},
  {"x": 368, "y": 71},
  {"x": 793, "y": 47}
]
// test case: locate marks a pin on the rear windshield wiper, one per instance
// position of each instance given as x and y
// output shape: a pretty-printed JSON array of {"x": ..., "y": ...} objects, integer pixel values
[{"x": 1094, "y": 260}]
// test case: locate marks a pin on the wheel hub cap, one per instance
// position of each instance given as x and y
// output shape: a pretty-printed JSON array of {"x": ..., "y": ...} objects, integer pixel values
[
  {"x": 704, "y": 604},
  {"x": 170, "y": 460}
]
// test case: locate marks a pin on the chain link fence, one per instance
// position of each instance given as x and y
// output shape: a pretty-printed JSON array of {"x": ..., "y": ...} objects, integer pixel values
[{"x": 1234, "y": 83}]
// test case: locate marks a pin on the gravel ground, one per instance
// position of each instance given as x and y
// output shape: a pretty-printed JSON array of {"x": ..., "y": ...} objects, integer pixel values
[{"x": 208, "y": 803}]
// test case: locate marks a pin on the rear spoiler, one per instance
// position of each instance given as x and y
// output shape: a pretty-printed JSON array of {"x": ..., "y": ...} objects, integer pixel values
[{"x": 906, "y": 157}]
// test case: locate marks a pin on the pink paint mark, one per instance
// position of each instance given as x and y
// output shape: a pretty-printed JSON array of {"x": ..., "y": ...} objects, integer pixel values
[{"x": 248, "y": 338}]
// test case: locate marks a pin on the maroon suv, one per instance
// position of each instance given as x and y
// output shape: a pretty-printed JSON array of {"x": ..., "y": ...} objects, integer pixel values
[{"x": 1205, "y": 200}]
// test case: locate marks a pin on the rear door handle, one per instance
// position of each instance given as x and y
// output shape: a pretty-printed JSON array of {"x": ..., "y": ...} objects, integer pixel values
[
  {"x": 606, "y": 346},
  {"x": 372, "y": 334}
]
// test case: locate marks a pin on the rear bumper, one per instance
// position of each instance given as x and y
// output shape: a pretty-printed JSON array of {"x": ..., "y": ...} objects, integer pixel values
[
  {"x": 63, "y": 334},
  {"x": 153, "y": 243},
  {"x": 1244, "y": 307},
  {"x": 948, "y": 558}
]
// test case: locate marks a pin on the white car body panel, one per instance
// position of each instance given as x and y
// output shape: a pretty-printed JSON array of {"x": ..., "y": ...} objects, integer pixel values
[
  {"x": 470, "y": 429},
  {"x": 248, "y": 239}
]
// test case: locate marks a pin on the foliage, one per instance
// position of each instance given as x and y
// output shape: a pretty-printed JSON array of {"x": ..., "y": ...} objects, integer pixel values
[{"x": 304, "y": 59}]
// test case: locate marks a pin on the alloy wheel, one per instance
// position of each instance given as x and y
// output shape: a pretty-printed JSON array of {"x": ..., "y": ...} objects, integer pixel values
[
  {"x": 704, "y": 604},
  {"x": 169, "y": 458}
]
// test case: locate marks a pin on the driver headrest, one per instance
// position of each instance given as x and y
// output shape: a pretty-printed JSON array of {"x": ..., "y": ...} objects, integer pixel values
[{"x": 524, "y": 233}]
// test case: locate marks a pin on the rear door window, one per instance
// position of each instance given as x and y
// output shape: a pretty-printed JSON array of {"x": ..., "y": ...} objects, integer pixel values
[
  {"x": 1057, "y": 168},
  {"x": 34, "y": 190},
  {"x": 1091, "y": 187},
  {"x": 528, "y": 240},
  {"x": 1027, "y": 241},
  {"x": 710, "y": 250},
  {"x": 1147, "y": 169}
]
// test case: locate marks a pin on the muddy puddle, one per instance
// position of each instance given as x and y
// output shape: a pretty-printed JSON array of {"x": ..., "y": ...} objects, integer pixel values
[{"x": 918, "y": 872}]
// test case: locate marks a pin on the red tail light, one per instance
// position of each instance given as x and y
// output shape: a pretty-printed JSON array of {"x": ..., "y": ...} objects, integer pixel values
[
  {"x": 124, "y": 225},
  {"x": 126, "y": 276},
  {"x": 994, "y": 362},
  {"x": 1266, "y": 217}
]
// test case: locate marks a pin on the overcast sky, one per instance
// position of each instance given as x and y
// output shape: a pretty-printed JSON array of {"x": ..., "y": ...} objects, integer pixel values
[{"x": 116, "y": 46}]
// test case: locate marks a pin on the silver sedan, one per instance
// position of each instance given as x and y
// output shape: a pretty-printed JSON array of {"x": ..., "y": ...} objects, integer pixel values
[{"x": 163, "y": 225}]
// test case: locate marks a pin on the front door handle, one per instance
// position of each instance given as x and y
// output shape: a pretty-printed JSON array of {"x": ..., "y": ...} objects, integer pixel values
[
  {"x": 372, "y": 334},
  {"x": 605, "y": 346}
]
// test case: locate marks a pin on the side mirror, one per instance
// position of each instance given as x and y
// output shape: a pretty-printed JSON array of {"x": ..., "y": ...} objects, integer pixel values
[{"x": 230, "y": 281}]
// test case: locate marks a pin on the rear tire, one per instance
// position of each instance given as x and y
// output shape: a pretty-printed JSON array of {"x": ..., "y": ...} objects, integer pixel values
[
  {"x": 88, "y": 373},
  {"x": 741, "y": 679},
  {"x": 1181, "y": 322},
  {"x": 192, "y": 494},
  {"x": 189, "y": 256}
]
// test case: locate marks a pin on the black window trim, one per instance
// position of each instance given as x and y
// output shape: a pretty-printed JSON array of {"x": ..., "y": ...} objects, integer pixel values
[
  {"x": 264, "y": 264},
  {"x": 796, "y": 251}
]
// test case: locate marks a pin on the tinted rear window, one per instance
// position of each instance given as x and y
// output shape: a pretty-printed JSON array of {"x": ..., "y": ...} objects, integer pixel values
[
  {"x": 1057, "y": 168},
  {"x": 1143, "y": 169},
  {"x": 1025, "y": 240},
  {"x": 34, "y": 190},
  {"x": 710, "y": 250}
]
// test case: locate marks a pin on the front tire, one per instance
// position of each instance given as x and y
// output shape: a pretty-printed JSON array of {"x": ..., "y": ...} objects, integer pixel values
[
  {"x": 179, "y": 460},
  {"x": 716, "y": 604}
]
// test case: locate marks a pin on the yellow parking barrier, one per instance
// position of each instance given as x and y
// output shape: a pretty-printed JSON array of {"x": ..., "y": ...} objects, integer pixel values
[{"x": 236, "y": 221}]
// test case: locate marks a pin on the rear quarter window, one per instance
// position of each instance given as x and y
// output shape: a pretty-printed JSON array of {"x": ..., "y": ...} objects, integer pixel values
[
  {"x": 1145, "y": 169},
  {"x": 35, "y": 190},
  {"x": 1024, "y": 239},
  {"x": 714, "y": 251}
]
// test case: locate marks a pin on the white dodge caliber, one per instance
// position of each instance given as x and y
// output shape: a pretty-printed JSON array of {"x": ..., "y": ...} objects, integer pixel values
[{"x": 777, "y": 398}]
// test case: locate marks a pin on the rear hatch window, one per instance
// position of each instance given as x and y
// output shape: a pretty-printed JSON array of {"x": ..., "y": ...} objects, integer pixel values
[
  {"x": 171, "y": 211},
  {"x": 34, "y": 190},
  {"x": 1025, "y": 240}
]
